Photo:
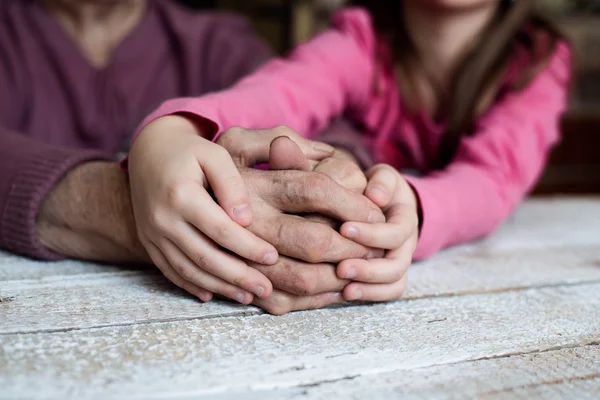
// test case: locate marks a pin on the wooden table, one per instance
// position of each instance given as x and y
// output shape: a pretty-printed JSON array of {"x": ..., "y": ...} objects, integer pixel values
[{"x": 514, "y": 316}]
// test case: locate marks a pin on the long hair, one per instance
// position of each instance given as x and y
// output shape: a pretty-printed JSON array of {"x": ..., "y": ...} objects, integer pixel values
[{"x": 480, "y": 68}]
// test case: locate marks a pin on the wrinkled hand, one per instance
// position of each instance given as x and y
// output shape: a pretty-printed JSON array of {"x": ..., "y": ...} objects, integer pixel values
[
  {"x": 383, "y": 279},
  {"x": 298, "y": 285}
]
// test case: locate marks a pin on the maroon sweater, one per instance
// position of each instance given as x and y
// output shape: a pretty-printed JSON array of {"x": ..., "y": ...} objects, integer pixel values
[{"x": 56, "y": 110}]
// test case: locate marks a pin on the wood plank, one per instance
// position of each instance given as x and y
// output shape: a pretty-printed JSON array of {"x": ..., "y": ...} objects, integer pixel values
[
  {"x": 532, "y": 253},
  {"x": 13, "y": 267},
  {"x": 212, "y": 356},
  {"x": 572, "y": 373},
  {"x": 63, "y": 303}
]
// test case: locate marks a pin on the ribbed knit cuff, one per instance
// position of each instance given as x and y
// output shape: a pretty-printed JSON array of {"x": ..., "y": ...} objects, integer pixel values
[{"x": 36, "y": 178}]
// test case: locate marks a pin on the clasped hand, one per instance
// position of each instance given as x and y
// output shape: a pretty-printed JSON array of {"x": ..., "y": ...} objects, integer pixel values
[{"x": 253, "y": 237}]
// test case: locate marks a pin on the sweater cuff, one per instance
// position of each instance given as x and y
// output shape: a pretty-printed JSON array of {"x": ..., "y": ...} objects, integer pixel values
[{"x": 35, "y": 179}]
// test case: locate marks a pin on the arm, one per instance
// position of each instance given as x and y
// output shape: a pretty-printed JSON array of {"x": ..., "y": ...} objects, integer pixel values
[
  {"x": 317, "y": 82},
  {"x": 88, "y": 215},
  {"x": 494, "y": 169},
  {"x": 29, "y": 170}
]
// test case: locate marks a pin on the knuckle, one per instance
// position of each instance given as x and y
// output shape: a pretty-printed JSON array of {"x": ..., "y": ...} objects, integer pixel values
[
  {"x": 306, "y": 283},
  {"x": 201, "y": 260},
  {"x": 185, "y": 273},
  {"x": 318, "y": 244},
  {"x": 239, "y": 281},
  {"x": 284, "y": 130},
  {"x": 317, "y": 187},
  {"x": 176, "y": 195},
  {"x": 157, "y": 220},
  {"x": 230, "y": 135},
  {"x": 222, "y": 231}
]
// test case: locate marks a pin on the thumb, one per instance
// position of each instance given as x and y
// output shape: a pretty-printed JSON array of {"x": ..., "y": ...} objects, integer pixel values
[{"x": 284, "y": 153}]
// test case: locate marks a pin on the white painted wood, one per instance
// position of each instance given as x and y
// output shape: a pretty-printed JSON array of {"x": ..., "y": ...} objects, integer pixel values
[
  {"x": 72, "y": 295},
  {"x": 77, "y": 302},
  {"x": 572, "y": 373},
  {"x": 13, "y": 267},
  {"x": 212, "y": 356},
  {"x": 563, "y": 222}
]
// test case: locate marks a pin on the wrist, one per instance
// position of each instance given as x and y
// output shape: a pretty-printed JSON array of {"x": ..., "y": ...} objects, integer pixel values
[{"x": 88, "y": 215}]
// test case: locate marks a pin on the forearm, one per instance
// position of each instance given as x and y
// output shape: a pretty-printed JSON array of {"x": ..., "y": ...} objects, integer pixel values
[{"x": 88, "y": 215}]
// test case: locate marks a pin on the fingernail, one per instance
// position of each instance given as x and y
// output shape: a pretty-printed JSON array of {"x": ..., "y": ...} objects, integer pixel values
[
  {"x": 242, "y": 212},
  {"x": 322, "y": 147},
  {"x": 270, "y": 258},
  {"x": 258, "y": 290},
  {"x": 239, "y": 297},
  {"x": 351, "y": 273},
  {"x": 371, "y": 254},
  {"x": 351, "y": 232}
]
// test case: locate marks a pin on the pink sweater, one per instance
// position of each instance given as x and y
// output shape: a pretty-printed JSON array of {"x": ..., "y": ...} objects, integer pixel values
[{"x": 333, "y": 74}]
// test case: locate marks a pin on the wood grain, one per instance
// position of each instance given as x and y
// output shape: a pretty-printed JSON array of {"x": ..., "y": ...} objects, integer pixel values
[
  {"x": 531, "y": 250},
  {"x": 78, "y": 302},
  {"x": 572, "y": 373},
  {"x": 212, "y": 356}
]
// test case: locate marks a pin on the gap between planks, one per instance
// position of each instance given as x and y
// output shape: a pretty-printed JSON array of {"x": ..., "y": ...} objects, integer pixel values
[
  {"x": 520, "y": 375},
  {"x": 74, "y": 304},
  {"x": 211, "y": 357}
]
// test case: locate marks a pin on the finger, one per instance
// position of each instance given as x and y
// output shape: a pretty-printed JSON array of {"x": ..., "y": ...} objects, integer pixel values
[
  {"x": 299, "y": 192},
  {"x": 322, "y": 219},
  {"x": 252, "y": 146},
  {"x": 301, "y": 278},
  {"x": 227, "y": 184},
  {"x": 285, "y": 154},
  {"x": 200, "y": 277},
  {"x": 203, "y": 213},
  {"x": 161, "y": 262},
  {"x": 313, "y": 242},
  {"x": 402, "y": 224},
  {"x": 375, "y": 291},
  {"x": 378, "y": 270},
  {"x": 343, "y": 171},
  {"x": 206, "y": 255},
  {"x": 382, "y": 182},
  {"x": 280, "y": 303}
]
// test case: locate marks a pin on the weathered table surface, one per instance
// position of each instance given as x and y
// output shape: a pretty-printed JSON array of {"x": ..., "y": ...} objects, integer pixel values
[{"x": 514, "y": 316}]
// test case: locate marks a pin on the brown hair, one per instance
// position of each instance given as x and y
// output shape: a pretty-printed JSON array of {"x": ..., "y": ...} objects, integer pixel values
[{"x": 481, "y": 67}]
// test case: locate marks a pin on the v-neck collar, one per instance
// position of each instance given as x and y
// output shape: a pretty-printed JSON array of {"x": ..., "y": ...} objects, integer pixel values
[{"x": 131, "y": 47}]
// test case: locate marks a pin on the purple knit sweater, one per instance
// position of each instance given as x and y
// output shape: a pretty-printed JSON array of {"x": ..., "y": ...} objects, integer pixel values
[{"x": 56, "y": 110}]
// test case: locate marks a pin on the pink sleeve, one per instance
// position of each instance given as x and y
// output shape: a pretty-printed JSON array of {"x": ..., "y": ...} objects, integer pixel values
[
  {"x": 317, "y": 82},
  {"x": 495, "y": 168}
]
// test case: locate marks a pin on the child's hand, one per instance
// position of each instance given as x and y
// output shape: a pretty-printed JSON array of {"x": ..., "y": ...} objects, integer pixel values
[
  {"x": 383, "y": 279},
  {"x": 181, "y": 226}
]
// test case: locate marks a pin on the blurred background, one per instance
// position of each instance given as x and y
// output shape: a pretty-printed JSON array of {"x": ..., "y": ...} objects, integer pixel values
[{"x": 574, "y": 166}]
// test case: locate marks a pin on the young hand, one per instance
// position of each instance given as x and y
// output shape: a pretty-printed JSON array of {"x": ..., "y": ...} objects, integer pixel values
[
  {"x": 171, "y": 167},
  {"x": 383, "y": 279}
]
